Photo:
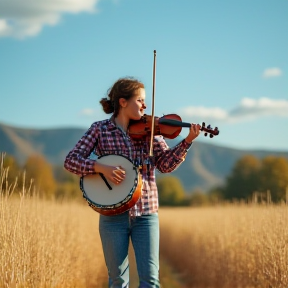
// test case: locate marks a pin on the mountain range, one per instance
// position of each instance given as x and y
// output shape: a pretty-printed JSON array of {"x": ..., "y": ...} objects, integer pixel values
[{"x": 206, "y": 165}]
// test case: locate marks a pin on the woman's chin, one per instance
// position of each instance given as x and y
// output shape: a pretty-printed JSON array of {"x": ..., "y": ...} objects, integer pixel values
[{"x": 138, "y": 117}]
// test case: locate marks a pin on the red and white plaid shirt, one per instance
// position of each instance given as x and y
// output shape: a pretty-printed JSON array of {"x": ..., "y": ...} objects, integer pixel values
[{"x": 104, "y": 137}]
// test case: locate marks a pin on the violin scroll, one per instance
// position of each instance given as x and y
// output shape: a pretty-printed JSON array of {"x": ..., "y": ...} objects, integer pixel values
[{"x": 209, "y": 130}]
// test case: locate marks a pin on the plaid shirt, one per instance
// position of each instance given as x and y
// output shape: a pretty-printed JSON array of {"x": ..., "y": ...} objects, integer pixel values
[{"x": 104, "y": 137}]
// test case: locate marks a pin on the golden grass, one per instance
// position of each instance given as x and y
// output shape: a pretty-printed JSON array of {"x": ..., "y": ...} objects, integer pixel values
[
  {"x": 234, "y": 246},
  {"x": 47, "y": 244}
]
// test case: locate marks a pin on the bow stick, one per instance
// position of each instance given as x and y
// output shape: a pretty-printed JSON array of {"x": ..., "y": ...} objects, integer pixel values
[{"x": 153, "y": 100}]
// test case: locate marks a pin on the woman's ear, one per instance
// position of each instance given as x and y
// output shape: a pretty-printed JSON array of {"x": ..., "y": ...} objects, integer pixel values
[{"x": 122, "y": 102}]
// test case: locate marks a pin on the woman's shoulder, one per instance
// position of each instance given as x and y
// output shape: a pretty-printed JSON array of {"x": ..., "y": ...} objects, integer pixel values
[{"x": 102, "y": 124}]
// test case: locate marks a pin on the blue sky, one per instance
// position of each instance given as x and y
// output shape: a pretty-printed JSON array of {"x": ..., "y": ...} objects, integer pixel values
[{"x": 222, "y": 62}]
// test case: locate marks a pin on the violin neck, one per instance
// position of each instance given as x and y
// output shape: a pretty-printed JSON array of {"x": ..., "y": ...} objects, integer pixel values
[{"x": 172, "y": 122}]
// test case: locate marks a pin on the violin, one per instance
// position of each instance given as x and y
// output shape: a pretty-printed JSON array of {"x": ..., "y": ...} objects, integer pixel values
[{"x": 169, "y": 126}]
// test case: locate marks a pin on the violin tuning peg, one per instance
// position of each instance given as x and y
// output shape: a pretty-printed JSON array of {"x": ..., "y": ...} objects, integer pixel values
[
  {"x": 203, "y": 124},
  {"x": 205, "y": 134},
  {"x": 211, "y": 135}
]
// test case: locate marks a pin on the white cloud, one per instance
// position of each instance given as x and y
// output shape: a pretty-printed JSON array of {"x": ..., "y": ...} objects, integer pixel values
[
  {"x": 19, "y": 18},
  {"x": 247, "y": 109},
  {"x": 261, "y": 107},
  {"x": 203, "y": 112},
  {"x": 93, "y": 114},
  {"x": 272, "y": 72},
  {"x": 87, "y": 112}
]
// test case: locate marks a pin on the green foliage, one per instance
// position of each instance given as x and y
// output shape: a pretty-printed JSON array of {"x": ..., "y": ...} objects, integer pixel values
[
  {"x": 274, "y": 177},
  {"x": 61, "y": 175},
  {"x": 171, "y": 192},
  {"x": 244, "y": 178},
  {"x": 67, "y": 184},
  {"x": 251, "y": 174},
  {"x": 202, "y": 198},
  {"x": 216, "y": 195},
  {"x": 199, "y": 198},
  {"x": 68, "y": 190}
]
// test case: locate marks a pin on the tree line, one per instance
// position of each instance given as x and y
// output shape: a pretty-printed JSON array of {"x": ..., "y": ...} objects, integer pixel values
[
  {"x": 38, "y": 176},
  {"x": 249, "y": 176}
]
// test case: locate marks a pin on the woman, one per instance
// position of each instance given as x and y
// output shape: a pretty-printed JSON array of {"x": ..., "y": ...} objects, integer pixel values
[{"x": 126, "y": 102}]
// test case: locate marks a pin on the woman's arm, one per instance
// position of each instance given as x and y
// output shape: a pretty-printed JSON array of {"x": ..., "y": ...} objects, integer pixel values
[
  {"x": 168, "y": 159},
  {"x": 77, "y": 161}
]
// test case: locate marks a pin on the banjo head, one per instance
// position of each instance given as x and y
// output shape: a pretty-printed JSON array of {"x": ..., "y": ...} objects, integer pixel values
[{"x": 98, "y": 194}]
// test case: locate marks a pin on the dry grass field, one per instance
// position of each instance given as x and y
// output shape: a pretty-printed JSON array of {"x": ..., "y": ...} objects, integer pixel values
[
  {"x": 45, "y": 244},
  {"x": 229, "y": 246}
]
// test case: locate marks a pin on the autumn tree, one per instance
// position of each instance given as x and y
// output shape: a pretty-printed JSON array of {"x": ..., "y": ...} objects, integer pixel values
[
  {"x": 244, "y": 178},
  {"x": 274, "y": 176},
  {"x": 171, "y": 192},
  {"x": 41, "y": 172},
  {"x": 11, "y": 168}
]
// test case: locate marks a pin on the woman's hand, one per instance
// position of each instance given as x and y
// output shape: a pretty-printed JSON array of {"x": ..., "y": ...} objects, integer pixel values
[
  {"x": 194, "y": 132},
  {"x": 114, "y": 174}
]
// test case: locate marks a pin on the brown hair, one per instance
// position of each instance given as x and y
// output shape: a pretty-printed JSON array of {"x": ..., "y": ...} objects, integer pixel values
[{"x": 122, "y": 88}]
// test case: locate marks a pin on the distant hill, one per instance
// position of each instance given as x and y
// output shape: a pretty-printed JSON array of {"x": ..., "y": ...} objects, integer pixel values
[
  {"x": 206, "y": 165},
  {"x": 52, "y": 143}
]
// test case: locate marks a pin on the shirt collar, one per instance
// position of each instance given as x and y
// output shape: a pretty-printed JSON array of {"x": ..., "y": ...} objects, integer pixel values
[{"x": 111, "y": 125}]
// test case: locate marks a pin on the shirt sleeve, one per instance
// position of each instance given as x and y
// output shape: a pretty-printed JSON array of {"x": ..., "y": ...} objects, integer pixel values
[
  {"x": 77, "y": 161},
  {"x": 169, "y": 159}
]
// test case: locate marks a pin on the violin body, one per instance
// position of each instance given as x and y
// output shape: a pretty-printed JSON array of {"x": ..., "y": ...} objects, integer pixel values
[
  {"x": 141, "y": 128},
  {"x": 169, "y": 126}
]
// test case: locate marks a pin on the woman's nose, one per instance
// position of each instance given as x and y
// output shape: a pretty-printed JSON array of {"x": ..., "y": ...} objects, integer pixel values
[{"x": 143, "y": 106}]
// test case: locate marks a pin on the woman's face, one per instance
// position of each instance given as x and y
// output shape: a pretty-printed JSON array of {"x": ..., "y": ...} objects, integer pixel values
[{"x": 135, "y": 106}]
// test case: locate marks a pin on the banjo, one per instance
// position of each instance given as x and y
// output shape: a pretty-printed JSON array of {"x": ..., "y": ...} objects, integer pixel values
[{"x": 110, "y": 199}]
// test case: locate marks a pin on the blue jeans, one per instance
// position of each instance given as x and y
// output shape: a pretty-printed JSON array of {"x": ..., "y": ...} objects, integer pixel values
[{"x": 144, "y": 232}]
